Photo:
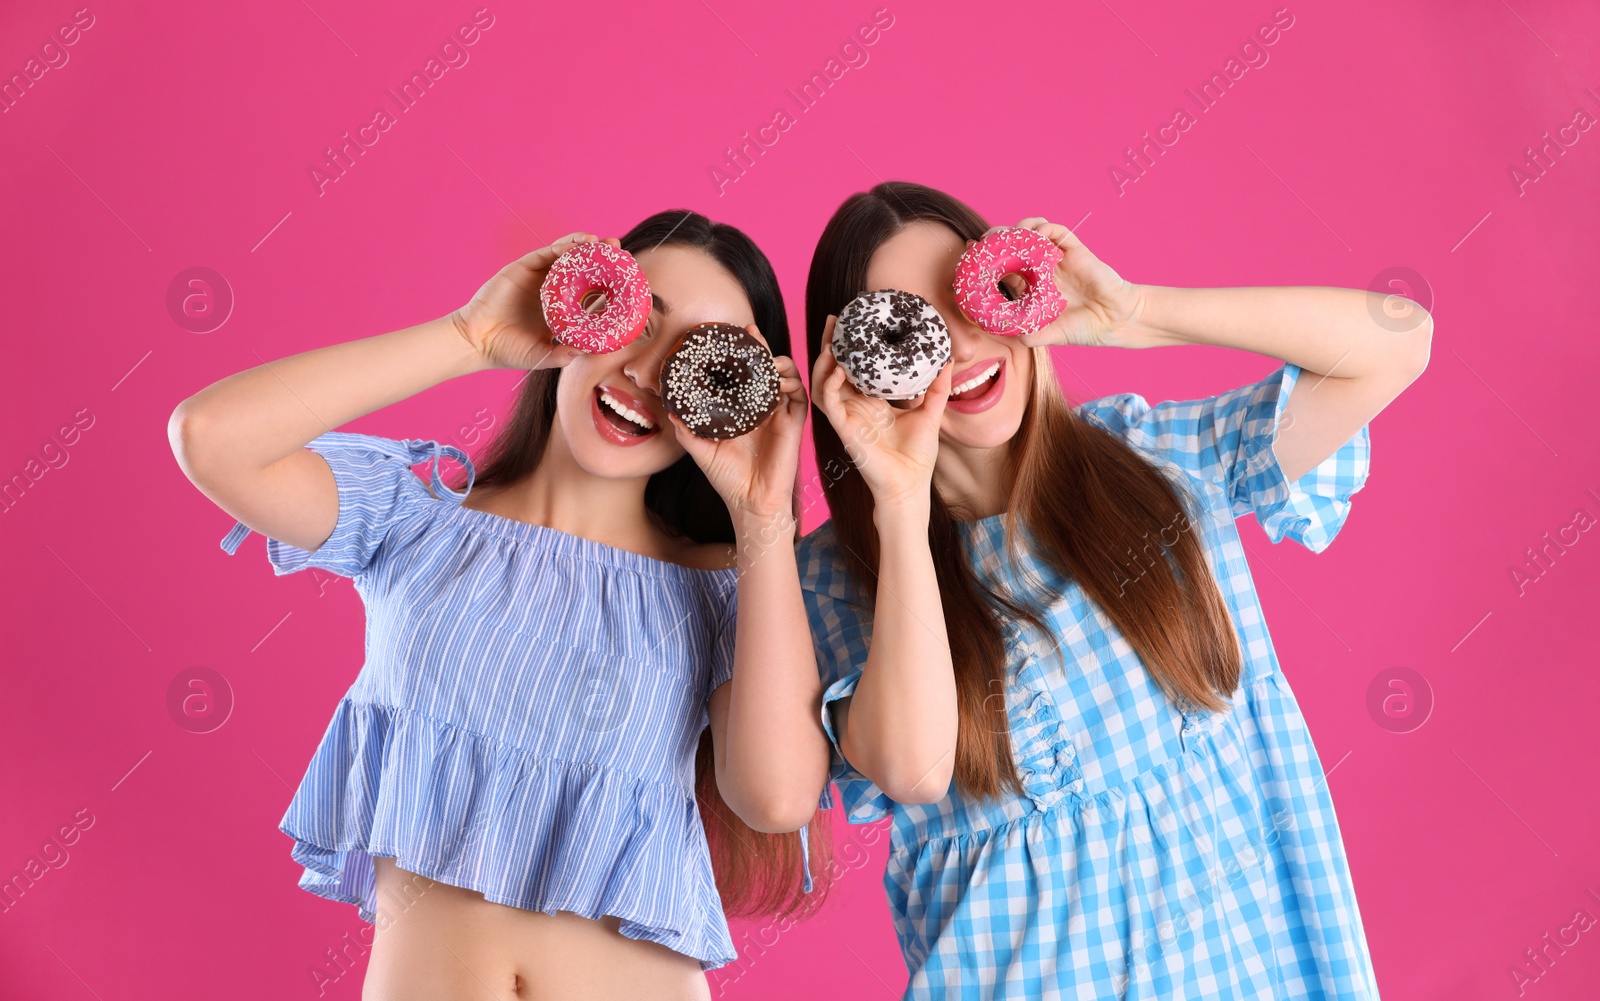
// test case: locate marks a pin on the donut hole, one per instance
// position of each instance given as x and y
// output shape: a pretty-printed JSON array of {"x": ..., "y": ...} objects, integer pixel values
[
  {"x": 894, "y": 335},
  {"x": 1013, "y": 286},
  {"x": 594, "y": 301},
  {"x": 721, "y": 378}
]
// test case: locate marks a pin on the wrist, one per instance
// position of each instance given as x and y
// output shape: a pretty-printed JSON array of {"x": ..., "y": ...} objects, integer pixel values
[
  {"x": 1146, "y": 327},
  {"x": 466, "y": 356},
  {"x": 902, "y": 514},
  {"x": 761, "y": 524},
  {"x": 758, "y": 535}
]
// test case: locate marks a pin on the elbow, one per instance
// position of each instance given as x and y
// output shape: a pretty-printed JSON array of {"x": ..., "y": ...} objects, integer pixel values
[
  {"x": 906, "y": 774},
  {"x": 201, "y": 454},
  {"x": 1419, "y": 345},
  {"x": 777, "y": 813},
  {"x": 184, "y": 435},
  {"x": 915, "y": 782}
]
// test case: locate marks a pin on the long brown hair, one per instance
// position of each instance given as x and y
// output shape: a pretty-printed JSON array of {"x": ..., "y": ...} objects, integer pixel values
[
  {"x": 757, "y": 873},
  {"x": 1097, "y": 513}
]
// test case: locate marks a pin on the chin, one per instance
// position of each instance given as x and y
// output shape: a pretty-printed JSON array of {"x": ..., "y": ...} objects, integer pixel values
[
  {"x": 600, "y": 460},
  {"x": 988, "y": 428},
  {"x": 991, "y": 430},
  {"x": 598, "y": 456}
]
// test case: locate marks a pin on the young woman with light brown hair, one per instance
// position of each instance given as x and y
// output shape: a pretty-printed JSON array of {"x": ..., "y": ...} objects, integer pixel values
[{"x": 1044, "y": 655}]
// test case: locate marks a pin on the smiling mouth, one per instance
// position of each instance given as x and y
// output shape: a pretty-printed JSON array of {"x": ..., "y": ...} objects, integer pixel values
[
  {"x": 977, "y": 385},
  {"x": 624, "y": 418}
]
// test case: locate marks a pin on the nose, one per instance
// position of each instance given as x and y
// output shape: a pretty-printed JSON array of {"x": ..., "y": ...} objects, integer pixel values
[
  {"x": 966, "y": 338},
  {"x": 642, "y": 365}
]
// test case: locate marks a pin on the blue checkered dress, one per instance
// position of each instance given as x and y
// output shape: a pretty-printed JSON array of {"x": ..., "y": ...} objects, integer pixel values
[{"x": 1159, "y": 851}]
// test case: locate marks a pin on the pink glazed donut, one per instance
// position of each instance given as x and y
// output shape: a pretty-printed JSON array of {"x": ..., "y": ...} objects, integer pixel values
[
  {"x": 595, "y": 267},
  {"x": 1004, "y": 252}
]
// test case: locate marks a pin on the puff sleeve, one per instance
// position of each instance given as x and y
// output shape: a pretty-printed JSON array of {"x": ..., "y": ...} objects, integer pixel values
[
  {"x": 1225, "y": 443},
  {"x": 376, "y": 490}
]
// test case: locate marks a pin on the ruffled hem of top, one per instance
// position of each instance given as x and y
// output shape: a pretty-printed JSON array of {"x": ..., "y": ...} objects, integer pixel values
[{"x": 528, "y": 832}]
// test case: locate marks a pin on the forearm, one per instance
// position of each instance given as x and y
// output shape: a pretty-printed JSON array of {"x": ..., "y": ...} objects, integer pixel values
[
  {"x": 255, "y": 417},
  {"x": 773, "y": 764},
  {"x": 901, "y": 724},
  {"x": 1323, "y": 330}
]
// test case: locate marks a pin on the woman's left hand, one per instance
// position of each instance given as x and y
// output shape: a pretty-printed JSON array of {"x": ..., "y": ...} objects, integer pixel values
[
  {"x": 1100, "y": 304},
  {"x": 755, "y": 473}
]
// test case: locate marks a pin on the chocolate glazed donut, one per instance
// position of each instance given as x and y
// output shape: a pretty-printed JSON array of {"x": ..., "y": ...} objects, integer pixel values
[{"x": 720, "y": 381}]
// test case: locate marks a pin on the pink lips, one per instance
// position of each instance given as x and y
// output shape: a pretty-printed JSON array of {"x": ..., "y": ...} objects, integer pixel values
[
  {"x": 609, "y": 430},
  {"x": 992, "y": 391}
]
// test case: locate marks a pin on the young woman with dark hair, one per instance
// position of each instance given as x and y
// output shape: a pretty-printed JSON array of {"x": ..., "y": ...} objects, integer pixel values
[
  {"x": 1043, "y": 651},
  {"x": 565, "y": 740}
]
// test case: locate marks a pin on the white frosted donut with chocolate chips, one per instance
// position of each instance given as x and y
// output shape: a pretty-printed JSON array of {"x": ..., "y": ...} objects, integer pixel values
[{"x": 891, "y": 344}]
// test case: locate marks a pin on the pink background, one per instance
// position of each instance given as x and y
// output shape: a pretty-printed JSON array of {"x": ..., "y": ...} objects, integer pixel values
[{"x": 1376, "y": 135}]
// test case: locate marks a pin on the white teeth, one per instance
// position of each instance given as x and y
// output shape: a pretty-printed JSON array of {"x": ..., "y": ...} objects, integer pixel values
[
  {"x": 634, "y": 416},
  {"x": 977, "y": 380}
]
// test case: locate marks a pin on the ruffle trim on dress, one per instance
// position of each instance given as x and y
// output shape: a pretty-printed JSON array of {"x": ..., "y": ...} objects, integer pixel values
[
  {"x": 1043, "y": 752},
  {"x": 529, "y": 832}
]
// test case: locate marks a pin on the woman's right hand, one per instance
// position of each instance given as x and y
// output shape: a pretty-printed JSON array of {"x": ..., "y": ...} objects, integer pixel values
[
  {"x": 893, "y": 447},
  {"x": 504, "y": 320}
]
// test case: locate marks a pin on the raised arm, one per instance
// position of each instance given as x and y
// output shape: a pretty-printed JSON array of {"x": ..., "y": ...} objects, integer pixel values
[
  {"x": 1359, "y": 349},
  {"x": 899, "y": 727},
  {"x": 1354, "y": 364},
  {"x": 770, "y": 753},
  {"x": 241, "y": 440}
]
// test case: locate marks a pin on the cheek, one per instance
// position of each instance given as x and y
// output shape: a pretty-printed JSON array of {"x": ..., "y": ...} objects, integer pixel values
[
  {"x": 1021, "y": 365},
  {"x": 571, "y": 405},
  {"x": 575, "y": 385}
]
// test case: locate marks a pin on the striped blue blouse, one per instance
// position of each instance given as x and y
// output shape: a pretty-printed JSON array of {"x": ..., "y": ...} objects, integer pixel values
[
  {"x": 1156, "y": 851},
  {"x": 526, "y": 719}
]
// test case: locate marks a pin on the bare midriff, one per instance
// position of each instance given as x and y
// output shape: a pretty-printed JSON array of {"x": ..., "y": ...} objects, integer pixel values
[{"x": 437, "y": 942}]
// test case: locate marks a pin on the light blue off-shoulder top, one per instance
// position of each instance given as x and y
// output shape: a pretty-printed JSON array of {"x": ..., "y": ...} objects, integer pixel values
[{"x": 526, "y": 719}]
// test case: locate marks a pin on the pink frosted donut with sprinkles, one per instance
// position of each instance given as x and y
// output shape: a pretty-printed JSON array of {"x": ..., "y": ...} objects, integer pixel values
[
  {"x": 1006, "y": 252},
  {"x": 577, "y": 274}
]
